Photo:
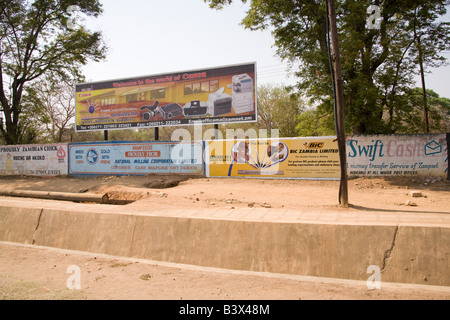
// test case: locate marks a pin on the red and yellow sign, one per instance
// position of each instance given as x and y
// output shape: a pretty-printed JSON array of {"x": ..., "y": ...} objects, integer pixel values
[
  {"x": 309, "y": 158},
  {"x": 209, "y": 96}
]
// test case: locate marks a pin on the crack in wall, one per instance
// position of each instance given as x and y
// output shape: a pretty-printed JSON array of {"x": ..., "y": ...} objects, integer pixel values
[
  {"x": 37, "y": 226},
  {"x": 388, "y": 253},
  {"x": 130, "y": 249}
]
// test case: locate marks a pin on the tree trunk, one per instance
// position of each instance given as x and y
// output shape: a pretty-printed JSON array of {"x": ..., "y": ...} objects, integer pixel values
[{"x": 424, "y": 91}]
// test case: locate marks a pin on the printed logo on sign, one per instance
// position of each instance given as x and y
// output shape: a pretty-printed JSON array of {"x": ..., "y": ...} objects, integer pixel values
[
  {"x": 314, "y": 145},
  {"x": 61, "y": 154},
  {"x": 432, "y": 148},
  {"x": 92, "y": 156},
  {"x": 370, "y": 151}
]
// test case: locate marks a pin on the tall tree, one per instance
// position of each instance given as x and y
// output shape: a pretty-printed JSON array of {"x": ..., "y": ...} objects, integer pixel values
[
  {"x": 40, "y": 38},
  {"x": 54, "y": 102},
  {"x": 278, "y": 109},
  {"x": 377, "y": 65},
  {"x": 429, "y": 40},
  {"x": 413, "y": 117}
]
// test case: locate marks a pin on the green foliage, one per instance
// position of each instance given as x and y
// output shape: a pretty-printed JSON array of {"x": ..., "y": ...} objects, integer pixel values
[
  {"x": 316, "y": 122},
  {"x": 378, "y": 65},
  {"x": 411, "y": 120},
  {"x": 37, "y": 39},
  {"x": 278, "y": 108}
]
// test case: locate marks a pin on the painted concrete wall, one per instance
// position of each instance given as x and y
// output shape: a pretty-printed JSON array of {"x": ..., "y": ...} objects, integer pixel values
[
  {"x": 406, "y": 254},
  {"x": 375, "y": 156}
]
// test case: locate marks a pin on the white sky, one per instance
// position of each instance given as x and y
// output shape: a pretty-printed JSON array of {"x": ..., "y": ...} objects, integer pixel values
[{"x": 148, "y": 37}]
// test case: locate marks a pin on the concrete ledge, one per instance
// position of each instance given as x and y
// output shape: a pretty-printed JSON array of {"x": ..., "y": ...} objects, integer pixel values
[
  {"x": 19, "y": 224},
  {"x": 405, "y": 254}
]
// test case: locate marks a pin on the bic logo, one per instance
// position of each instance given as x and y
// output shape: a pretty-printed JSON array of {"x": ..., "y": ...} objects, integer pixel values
[{"x": 315, "y": 145}]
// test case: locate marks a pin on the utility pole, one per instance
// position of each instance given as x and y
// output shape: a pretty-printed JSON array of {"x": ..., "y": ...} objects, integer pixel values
[
  {"x": 340, "y": 125},
  {"x": 216, "y": 131}
]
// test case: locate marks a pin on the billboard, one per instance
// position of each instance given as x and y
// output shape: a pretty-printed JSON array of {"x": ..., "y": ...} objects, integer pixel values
[
  {"x": 208, "y": 96},
  {"x": 136, "y": 158},
  {"x": 35, "y": 160},
  {"x": 397, "y": 155},
  {"x": 300, "y": 158}
]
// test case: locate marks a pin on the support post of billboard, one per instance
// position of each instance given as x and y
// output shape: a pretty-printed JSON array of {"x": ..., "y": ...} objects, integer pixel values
[{"x": 216, "y": 131}]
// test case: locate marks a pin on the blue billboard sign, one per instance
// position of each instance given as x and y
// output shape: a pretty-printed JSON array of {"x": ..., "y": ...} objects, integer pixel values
[{"x": 136, "y": 158}]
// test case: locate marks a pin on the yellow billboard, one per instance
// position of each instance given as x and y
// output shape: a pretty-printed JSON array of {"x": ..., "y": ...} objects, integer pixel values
[
  {"x": 208, "y": 96},
  {"x": 307, "y": 158}
]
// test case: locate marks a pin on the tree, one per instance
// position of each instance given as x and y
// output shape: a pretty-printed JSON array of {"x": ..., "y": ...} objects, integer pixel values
[
  {"x": 278, "y": 109},
  {"x": 52, "y": 101},
  {"x": 315, "y": 122},
  {"x": 378, "y": 65},
  {"x": 413, "y": 117},
  {"x": 429, "y": 40},
  {"x": 39, "y": 38}
]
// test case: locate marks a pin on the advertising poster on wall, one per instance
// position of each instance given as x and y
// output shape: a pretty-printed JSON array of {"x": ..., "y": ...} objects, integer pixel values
[
  {"x": 397, "y": 155},
  {"x": 208, "y": 96},
  {"x": 307, "y": 158},
  {"x": 35, "y": 160},
  {"x": 136, "y": 158}
]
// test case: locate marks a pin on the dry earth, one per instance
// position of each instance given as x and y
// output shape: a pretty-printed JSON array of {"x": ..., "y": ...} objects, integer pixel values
[{"x": 30, "y": 272}]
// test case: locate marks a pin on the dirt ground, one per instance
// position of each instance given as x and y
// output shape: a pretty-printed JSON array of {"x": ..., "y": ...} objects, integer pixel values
[
  {"x": 181, "y": 191},
  {"x": 30, "y": 272}
]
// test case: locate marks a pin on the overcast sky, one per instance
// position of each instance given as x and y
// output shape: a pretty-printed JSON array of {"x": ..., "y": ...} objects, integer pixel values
[{"x": 148, "y": 37}]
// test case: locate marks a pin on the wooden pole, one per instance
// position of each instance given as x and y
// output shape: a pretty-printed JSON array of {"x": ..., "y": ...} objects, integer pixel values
[
  {"x": 343, "y": 189},
  {"x": 216, "y": 131}
]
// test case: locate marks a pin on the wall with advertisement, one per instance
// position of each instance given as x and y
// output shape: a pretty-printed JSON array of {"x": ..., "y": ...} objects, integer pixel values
[
  {"x": 397, "y": 155},
  {"x": 296, "y": 158},
  {"x": 207, "y": 96},
  {"x": 136, "y": 158},
  {"x": 318, "y": 157},
  {"x": 308, "y": 158},
  {"x": 35, "y": 160}
]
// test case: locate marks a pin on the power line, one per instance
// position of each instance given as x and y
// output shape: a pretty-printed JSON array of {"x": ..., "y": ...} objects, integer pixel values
[{"x": 272, "y": 69}]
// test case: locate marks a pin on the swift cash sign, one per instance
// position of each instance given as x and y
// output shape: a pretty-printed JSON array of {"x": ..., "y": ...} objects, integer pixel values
[
  {"x": 208, "y": 96},
  {"x": 397, "y": 155}
]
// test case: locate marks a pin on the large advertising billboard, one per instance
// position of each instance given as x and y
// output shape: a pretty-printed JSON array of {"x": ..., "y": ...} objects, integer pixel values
[
  {"x": 208, "y": 96},
  {"x": 136, "y": 158},
  {"x": 292, "y": 158}
]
